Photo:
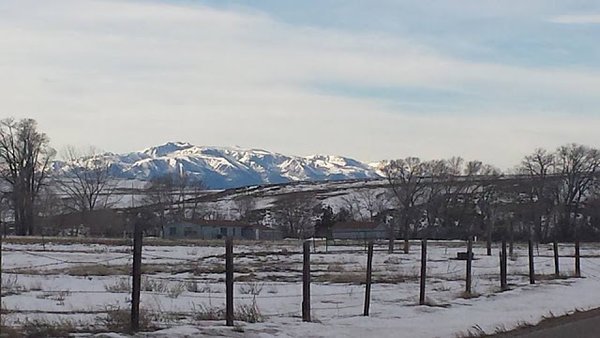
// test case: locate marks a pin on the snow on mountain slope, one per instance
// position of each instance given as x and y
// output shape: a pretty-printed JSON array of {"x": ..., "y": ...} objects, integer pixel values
[{"x": 221, "y": 167}]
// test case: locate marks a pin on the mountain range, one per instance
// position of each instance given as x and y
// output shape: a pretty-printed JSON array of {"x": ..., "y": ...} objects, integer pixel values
[{"x": 223, "y": 167}]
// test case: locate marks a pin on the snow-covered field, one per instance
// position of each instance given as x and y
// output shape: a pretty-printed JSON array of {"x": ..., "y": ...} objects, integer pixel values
[{"x": 83, "y": 285}]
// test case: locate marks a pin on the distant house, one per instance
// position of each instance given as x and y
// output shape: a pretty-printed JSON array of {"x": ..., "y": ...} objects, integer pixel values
[
  {"x": 214, "y": 229},
  {"x": 359, "y": 230}
]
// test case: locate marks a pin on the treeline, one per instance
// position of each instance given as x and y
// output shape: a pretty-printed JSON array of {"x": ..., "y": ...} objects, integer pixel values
[{"x": 549, "y": 195}]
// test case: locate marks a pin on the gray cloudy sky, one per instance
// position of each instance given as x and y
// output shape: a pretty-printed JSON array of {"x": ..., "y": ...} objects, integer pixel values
[{"x": 372, "y": 80}]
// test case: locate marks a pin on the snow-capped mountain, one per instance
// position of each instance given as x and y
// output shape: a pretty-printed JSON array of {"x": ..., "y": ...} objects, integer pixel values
[{"x": 221, "y": 168}]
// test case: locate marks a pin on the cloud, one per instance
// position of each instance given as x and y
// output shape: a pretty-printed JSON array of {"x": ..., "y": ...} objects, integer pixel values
[
  {"x": 126, "y": 75},
  {"x": 577, "y": 19}
]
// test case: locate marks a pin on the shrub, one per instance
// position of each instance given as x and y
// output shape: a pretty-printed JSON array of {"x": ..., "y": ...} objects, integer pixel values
[
  {"x": 155, "y": 285},
  {"x": 120, "y": 285},
  {"x": 11, "y": 286},
  {"x": 251, "y": 288},
  {"x": 119, "y": 320},
  {"x": 208, "y": 312},
  {"x": 177, "y": 289},
  {"x": 192, "y": 286},
  {"x": 248, "y": 313}
]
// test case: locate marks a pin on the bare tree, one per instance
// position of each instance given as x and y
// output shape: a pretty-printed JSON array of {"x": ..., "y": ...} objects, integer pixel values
[
  {"x": 195, "y": 191},
  {"x": 591, "y": 212},
  {"x": 174, "y": 196},
  {"x": 542, "y": 188},
  {"x": 160, "y": 196},
  {"x": 4, "y": 208},
  {"x": 406, "y": 178},
  {"x": 365, "y": 204},
  {"x": 488, "y": 200},
  {"x": 25, "y": 157},
  {"x": 370, "y": 202},
  {"x": 436, "y": 192},
  {"x": 295, "y": 215},
  {"x": 465, "y": 195},
  {"x": 444, "y": 193},
  {"x": 86, "y": 180},
  {"x": 351, "y": 205},
  {"x": 244, "y": 206},
  {"x": 578, "y": 166},
  {"x": 48, "y": 204}
]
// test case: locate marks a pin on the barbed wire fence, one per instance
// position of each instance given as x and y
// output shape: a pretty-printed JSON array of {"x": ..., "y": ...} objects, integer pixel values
[{"x": 340, "y": 291}]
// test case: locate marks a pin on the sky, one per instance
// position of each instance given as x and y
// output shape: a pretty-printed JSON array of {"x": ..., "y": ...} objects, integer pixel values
[{"x": 372, "y": 80}]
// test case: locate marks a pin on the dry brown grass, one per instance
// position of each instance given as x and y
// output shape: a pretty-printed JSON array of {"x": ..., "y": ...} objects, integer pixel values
[
  {"x": 95, "y": 270},
  {"x": 251, "y": 288},
  {"x": 341, "y": 277},
  {"x": 119, "y": 320},
  {"x": 395, "y": 278},
  {"x": 250, "y": 277},
  {"x": 248, "y": 313},
  {"x": 42, "y": 328},
  {"x": 552, "y": 277},
  {"x": 335, "y": 267},
  {"x": 86, "y": 270},
  {"x": 11, "y": 286},
  {"x": 469, "y": 295},
  {"x": 359, "y": 277},
  {"x": 119, "y": 285},
  {"x": 10, "y": 332},
  {"x": 148, "y": 241}
]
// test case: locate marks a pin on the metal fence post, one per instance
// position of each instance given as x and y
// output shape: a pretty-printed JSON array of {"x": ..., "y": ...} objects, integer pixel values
[
  {"x": 531, "y": 264},
  {"x": 136, "y": 277},
  {"x": 503, "y": 267},
  {"x": 229, "y": 281},
  {"x": 556, "y": 261},
  {"x": 306, "y": 283},
  {"x": 423, "y": 271},
  {"x": 577, "y": 260},
  {"x": 469, "y": 259},
  {"x": 368, "y": 280}
]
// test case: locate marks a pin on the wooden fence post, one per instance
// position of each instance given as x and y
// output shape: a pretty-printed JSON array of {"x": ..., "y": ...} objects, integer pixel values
[
  {"x": 488, "y": 244},
  {"x": 577, "y": 260},
  {"x": 1, "y": 240},
  {"x": 391, "y": 240},
  {"x": 423, "y": 271},
  {"x": 511, "y": 243},
  {"x": 306, "y": 283},
  {"x": 556, "y": 262},
  {"x": 229, "y": 281},
  {"x": 469, "y": 258},
  {"x": 368, "y": 280},
  {"x": 503, "y": 267},
  {"x": 136, "y": 275},
  {"x": 531, "y": 264}
]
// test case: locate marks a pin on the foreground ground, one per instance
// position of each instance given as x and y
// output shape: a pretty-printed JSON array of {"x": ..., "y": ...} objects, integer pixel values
[{"x": 84, "y": 287}]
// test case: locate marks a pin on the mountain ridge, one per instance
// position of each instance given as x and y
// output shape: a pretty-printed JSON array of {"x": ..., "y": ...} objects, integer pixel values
[{"x": 229, "y": 167}]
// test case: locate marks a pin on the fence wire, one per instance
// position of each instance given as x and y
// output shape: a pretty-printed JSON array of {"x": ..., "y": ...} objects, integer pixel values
[{"x": 352, "y": 298}]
